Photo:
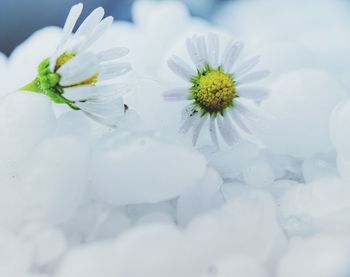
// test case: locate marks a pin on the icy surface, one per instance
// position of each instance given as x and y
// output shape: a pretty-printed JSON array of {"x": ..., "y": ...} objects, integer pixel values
[
  {"x": 126, "y": 170},
  {"x": 204, "y": 196},
  {"x": 340, "y": 131},
  {"x": 322, "y": 204},
  {"x": 325, "y": 256},
  {"x": 296, "y": 128},
  {"x": 82, "y": 200}
]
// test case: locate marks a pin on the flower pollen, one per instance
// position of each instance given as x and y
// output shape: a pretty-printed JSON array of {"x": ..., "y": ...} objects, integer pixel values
[
  {"x": 91, "y": 81},
  {"x": 213, "y": 91},
  {"x": 64, "y": 58}
]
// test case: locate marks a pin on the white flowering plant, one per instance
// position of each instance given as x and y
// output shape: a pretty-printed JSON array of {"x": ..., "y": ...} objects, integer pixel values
[{"x": 236, "y": 165}]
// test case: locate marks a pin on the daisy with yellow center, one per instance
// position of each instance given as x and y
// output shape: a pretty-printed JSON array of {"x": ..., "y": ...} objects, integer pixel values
[
  {"x": 220, "y": 93},
  {"x": 81, "y": 78}
]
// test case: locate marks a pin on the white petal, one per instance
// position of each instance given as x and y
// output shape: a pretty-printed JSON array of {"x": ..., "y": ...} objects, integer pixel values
[
  {"x": 99, "y": 30},
  {"x": 85, "y": 73},
  {"x": 240, "y": 122},
  {"x": 213, "y": 50},
  {"x": 197, "y": 129},
  {"x": 230, "y": 55},
  {"x": 107, "y": 121},
  {"x": 189, "y": 117},
  {"x": 176, "y": 95},
  {"x": 110, "y": 71},
  {"x": 248, "y": 109},
  {"x": 109, "y": 99},
  {"x": 179, "y": 67},
  {"x": 95, "y": 92},
  {"x": 72, "y": 19},
  {"x": 254, "y": 76},
  {"x": 110, "y": 109},
  {"x": 108, "y": 68},
  {"x": 246, "y": 66},
  {"x": 73, "y": 44},
  {"x": 212, "y": 130},
  {"x": 225, "y": 129},
  {"x": 112, "y": 54},
  {"x": 186, "y": 125},
  {"x": 69, "y": 46},
  {"x": 253, "y": 92},
  {"x": 90, "y": 22},
  {"x": 231, "y": 128},
  {"x": 202, "y": 50},
  {"x": 193, "y": 51},
  {"x": 77, "y": 64}
]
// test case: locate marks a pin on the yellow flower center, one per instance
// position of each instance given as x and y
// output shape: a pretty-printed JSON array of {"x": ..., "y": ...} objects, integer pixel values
[{"x": 215, "y": 91}]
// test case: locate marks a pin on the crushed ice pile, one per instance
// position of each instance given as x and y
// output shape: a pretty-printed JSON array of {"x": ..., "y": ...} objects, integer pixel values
[{"x": 81, "y": 200}]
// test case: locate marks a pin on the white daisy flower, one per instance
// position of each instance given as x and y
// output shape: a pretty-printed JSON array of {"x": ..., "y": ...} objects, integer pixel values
[
  {"x": 220, "y": 93},
  {"x": 80, "y": 78}
]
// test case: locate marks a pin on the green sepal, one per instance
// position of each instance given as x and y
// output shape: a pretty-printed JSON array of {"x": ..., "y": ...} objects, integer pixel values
[
  {"x": 47, "y": 81},
  {"x": 33, "y": 86},
  {"x": 59, "y": 99}
]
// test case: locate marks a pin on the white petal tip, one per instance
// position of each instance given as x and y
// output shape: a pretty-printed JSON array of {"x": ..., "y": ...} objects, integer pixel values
[
  {"x": 99, "y": 10},
  {"x": 78, "y": 6},
  {"x": 110, "y": 19}
]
